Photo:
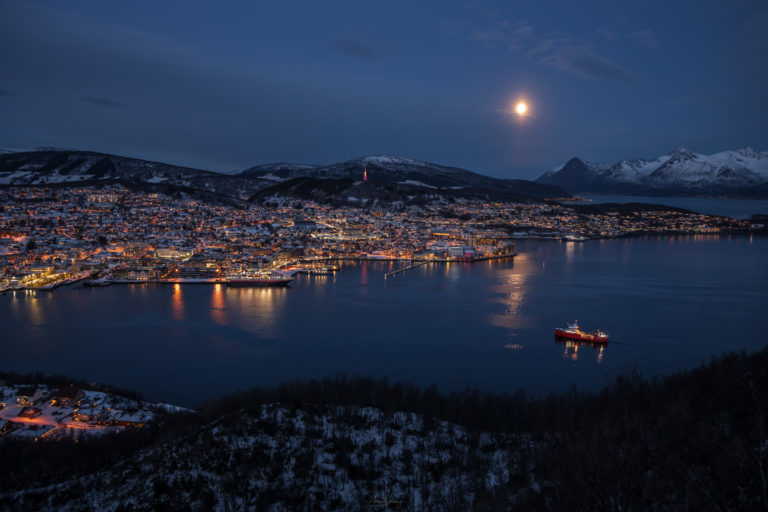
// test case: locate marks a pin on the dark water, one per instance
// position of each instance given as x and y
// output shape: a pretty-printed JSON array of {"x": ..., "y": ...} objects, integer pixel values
[
  {"x": 668, "y": 303},
  {"x": 734, "y": 208}
]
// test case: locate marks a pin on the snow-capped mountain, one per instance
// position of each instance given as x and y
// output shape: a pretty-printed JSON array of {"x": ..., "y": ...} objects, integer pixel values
[
  {"x": 681, "y": 171},
  {"x": 744, "y": 167},
  {"x": 55, "y": 167},
  {"x": 573, "y": 174},
  {"x": 634, "y": 170},
  {"x": 391, "y": 168},
  {"x": 393, "y": 177},
  {"x": 390, "y": 179}
]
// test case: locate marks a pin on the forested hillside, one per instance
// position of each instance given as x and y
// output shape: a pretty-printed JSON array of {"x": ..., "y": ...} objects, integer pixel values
[{"x": 695, "y": 440}]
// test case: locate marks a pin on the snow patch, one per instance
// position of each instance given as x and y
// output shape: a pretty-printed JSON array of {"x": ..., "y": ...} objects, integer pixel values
[{"x": 417, "y": 183}]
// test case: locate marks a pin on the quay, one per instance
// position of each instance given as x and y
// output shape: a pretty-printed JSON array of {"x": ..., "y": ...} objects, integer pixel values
[
  {"x": 404, "y": 269},
  {"x": 420, "y": 262},
  {"x": 106, "y": 279}
]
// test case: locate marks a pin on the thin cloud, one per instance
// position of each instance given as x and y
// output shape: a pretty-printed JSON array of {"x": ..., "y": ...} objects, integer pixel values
[
  {"x": 352, "y": 47},
  {"x": 493, "y": 35},
  {"x": 607, "y": 34},
  {"x": 560, "y": 51},
  {"x": 587, "y": 64},
  {"x": 521, "y": 31},
  {"x": 101, "y": 102},
  {"x": 645, "y": 37},
  {"x": 490, "y": 38},
  {"x": 513, "y": 36}
]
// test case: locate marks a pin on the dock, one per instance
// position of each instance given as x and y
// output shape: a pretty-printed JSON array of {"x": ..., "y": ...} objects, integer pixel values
[{"x": 404, "y": 269}]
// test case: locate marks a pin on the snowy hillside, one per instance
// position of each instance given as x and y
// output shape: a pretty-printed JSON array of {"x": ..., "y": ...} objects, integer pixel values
[
  {"x": 394, "y": 170},
  {"x": 73, "y": 168},
  {"x": 316, "y": 458},
  {"x": 70, "y": 167},
  {"x": 679, "y": 171},
  {"x": 381, "y": 166},
  {"x": 690, "y": 441}
]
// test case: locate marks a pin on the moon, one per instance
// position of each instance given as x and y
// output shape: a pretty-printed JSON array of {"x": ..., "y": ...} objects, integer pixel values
[{"x": 521, "y": 108}]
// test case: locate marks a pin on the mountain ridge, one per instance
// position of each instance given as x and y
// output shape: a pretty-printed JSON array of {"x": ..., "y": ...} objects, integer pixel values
[
  {"x": 53, "y": 167},
  {"x": 742, "y": 172}
]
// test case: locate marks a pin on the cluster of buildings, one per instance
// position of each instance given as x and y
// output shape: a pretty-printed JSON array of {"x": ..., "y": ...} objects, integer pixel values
[
  {"x": 51, "y": 236},
  {"x": 51, "y": 412}
]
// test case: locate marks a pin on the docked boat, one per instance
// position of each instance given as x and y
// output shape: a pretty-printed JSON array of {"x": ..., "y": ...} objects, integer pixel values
[
  {"x": 573, "y": 332},
  {"x": 323, "y": 270},
  {"x": 258, "y": 279},
  {"x": 191, "y": 274}
]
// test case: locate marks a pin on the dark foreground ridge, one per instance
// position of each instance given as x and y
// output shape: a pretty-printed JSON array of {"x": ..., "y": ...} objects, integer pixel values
[{"x": 696, "y": 440}]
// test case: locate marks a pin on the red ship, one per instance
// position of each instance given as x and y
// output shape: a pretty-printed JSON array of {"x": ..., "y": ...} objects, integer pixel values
[{"x": 573, "y": 332}]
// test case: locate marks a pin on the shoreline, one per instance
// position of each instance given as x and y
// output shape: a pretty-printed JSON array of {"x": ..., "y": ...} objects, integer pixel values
[{"x": 554, "y": 237}]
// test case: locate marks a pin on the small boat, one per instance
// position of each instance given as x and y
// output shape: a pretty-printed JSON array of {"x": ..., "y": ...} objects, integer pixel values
[{"x": 573, "y": 332}]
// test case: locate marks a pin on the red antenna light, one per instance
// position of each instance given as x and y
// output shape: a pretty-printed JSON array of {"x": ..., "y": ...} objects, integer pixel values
[{"x": 365, "y": 173}]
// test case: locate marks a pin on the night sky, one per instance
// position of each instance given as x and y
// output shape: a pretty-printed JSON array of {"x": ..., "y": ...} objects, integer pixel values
[{"x": 227, "y": 85}]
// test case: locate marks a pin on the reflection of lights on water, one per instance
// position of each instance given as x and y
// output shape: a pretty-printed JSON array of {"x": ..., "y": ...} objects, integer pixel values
[
  {"x": 452, "y": 270},
  {"x": 513, "y": 287},
  {"x": 177, "y": 303},
  {"x": 30, "y": 306},
  {"x": 35, "y": 311},
  {"x": 218, "y": 308},
  {"x": 572, "y": 350},
  {"x": 258, "y": 308},
  {"x": 513, "y": 346},
  {"x": 217, "y": 299},
  {"x": 569, "y": 250}
]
